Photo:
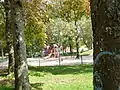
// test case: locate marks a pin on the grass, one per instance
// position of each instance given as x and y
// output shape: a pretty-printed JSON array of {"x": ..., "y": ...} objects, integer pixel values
[
  {"x": 6, "y": 83},
  {"x": 77, "y": 77},
  {"x": 88, "y": 52},
  {"x": 84, "y": 53}
]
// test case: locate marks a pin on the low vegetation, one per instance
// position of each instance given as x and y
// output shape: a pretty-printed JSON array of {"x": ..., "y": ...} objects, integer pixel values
[{"x": 77, "y": 77}]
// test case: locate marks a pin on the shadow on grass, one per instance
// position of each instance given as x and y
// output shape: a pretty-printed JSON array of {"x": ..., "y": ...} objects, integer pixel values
[
  {"x": 5, "y": 84},
  {"x": 68, "y": 54},
  {"x": 37, "y": 86},
  {"x": 57, "y": 70},
  {"x": 4, "y": 72}
]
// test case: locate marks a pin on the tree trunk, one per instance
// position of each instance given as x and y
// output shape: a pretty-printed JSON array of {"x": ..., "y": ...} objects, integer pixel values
[
  {"x": 77, "y": 42},
  {"x": 2, "y": 52},
  {"x": 9, "y": 36},
  {"x": 21, "y": 67},
  {"x": 70, "y": 48},
  {"x": 70, "y": 45},
  {"x": 77, "y": 47},
  {"x": 106, "y": 33}
]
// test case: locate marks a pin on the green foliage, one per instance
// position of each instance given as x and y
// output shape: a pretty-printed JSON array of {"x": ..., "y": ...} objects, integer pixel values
[
  {"x": 35, "y": 37},
  {"x": 35, "y": 28},
  {"x": 86, "y": 31},
  {"x": 73, "y": 9},
  {"x": 35, "y": 32},
  {"x": 65, "y": 33},
  {"x": 36, "y": 10},
  {"x": 60, "y": 32},
  {"x": 54, "y": 9}
]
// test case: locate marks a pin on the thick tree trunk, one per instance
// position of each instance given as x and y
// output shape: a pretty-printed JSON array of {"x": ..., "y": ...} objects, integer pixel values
[
  {"x": 9, "y": 36},
  {"x": 106, "y": 32},
  {"x": 21, "y": 67}
]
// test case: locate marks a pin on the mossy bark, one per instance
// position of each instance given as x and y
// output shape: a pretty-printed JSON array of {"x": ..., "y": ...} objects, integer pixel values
[
  {"x": 21, "y": 67},
  {"x": 9, "y": 37},
  {"x": 106, "y": 35}
]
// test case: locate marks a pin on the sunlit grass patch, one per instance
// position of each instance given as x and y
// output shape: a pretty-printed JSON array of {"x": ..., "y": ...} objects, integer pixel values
[
  {"x": 88, "y": 52},
  {"x": 77, "y": 77}
]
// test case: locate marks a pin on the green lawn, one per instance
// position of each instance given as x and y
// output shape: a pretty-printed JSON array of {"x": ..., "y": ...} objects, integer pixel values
[
  {"x": 85, "y": 53},
  {"x": 77, "y": 77}
]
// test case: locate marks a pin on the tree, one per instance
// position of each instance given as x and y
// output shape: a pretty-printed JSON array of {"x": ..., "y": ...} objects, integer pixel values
[
  {"x": 61, "y": 32},
  {"x": 106, "y": 34},
  {"x": 8, "y": 32},
  {"x": 35, "y": 36},
  {"x": 73, "y": 10},
  {"x": 86, "y": 31},
  {"x": 21, "y": 67},
  {"x": 36, "y": 19}
]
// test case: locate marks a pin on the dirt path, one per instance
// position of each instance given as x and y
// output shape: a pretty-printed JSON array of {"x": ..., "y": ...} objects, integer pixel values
[{"x": 68, "y": 60}]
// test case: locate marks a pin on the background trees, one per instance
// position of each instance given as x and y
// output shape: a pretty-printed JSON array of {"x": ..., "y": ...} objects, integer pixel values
[
  {"x": 61, "y": 32},
  {"x": 86, "y": 31},
  {"x": 36, "y": 17},
  {"x": 35, "y": 37},
  {"x": 71, "y": 11},
  {"x": 63, "y": 22},
  {"x": 39, "y": 15}
]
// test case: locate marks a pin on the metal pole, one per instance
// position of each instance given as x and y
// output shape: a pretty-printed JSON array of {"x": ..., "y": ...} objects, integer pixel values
[
  {"x": 81, "y": 59},
  {"x": 39, "y": 61},
  {"x": 41, "y": 56}
]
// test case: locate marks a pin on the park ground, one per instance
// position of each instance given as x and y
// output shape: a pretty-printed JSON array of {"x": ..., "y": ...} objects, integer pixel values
[
  {"x": 46, "y": 74},
  {"x": 78, "y": 77}
]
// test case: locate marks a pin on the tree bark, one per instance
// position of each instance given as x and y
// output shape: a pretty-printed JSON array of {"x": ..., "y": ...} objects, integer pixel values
[
  {"x": 8, "y": 33},
  {"x": 77, "y": 42},
  {"x": 2, "y": 52},
  {"x": 21, "y": 67},
  {"x": 70, "y": 48},
  {"x": 70, "y": 45},
  {"x": 106, "y": 34},
  {"x": 77, "y": 47}
]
